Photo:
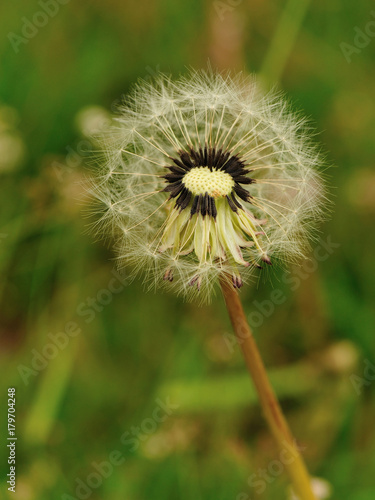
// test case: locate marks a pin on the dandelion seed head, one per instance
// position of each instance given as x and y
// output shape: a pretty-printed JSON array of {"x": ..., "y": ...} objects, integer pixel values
[{"x": 207, "y": 177}]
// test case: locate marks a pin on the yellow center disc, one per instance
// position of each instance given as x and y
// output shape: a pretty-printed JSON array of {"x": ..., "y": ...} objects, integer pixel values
[{"x": 215, "y": 183}]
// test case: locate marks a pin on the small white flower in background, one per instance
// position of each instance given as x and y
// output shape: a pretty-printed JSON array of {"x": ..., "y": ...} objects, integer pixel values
[
  {"x": 321, "y": 488},
  {"x": 205, "y": 177},
  {"x": 91, "y": 120}
]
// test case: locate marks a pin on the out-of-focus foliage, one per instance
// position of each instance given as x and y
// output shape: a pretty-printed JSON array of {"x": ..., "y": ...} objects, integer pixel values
[{"x": 102, "y": 384}]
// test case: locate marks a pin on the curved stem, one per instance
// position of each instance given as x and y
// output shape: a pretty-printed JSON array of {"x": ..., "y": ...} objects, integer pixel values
[{"x": 292, "y": 458}]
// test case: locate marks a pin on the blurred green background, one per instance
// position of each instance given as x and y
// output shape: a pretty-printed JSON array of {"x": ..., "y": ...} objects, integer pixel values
[{"x": 143, "y": 387}]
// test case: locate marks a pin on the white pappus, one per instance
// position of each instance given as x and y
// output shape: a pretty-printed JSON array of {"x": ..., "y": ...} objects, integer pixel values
[{"x": 206, "y": 177}]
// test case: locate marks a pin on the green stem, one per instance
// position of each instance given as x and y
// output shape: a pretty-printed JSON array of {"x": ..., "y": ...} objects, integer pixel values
[
  {"x": 294, "y": 463},
  {"x": 283, "y": 39}
]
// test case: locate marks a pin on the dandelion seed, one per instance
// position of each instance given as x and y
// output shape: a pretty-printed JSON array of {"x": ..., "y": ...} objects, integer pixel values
[{"x": 232, "y": 181}]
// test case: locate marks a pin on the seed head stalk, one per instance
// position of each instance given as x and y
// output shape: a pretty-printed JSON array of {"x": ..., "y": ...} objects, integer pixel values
[{"x": 296, "y": 468}]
